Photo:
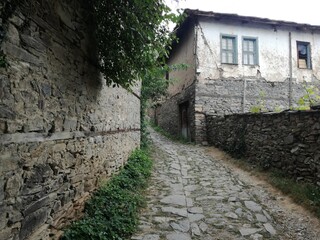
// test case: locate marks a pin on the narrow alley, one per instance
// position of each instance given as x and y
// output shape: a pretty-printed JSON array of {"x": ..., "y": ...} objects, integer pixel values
[{"x": 195, "y": 195}]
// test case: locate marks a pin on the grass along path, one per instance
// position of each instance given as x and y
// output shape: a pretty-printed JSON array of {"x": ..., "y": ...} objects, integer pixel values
[{"x": 112, "y": 212}]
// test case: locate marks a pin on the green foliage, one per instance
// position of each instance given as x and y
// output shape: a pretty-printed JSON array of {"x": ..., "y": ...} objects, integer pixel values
[
  {"x": 132, "y": 37},
  {"x": 154, "y": 85},
  {"x": 261, "y": 105},
  {"x": 311, "y": 97},
  {"x": 278, "y": 109},
  {"x": 112, "y": 212},
  {"x": 168, "y": 135},
  {"x": 305, "y": 194},
  {"x": 255, "y": 109}
]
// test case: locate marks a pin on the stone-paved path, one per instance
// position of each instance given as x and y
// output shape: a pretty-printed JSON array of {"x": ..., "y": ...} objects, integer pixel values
[{"x": 195, "y": 196}]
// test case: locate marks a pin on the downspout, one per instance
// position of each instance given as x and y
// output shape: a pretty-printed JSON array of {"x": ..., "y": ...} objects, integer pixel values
[
  {"x": 195, "y": 53},
  {"x": 290, "y": 70}
]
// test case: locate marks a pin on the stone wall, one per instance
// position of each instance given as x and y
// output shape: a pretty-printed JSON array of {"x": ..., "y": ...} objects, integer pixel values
[
  {"x": 62, "y": 130},
  {"x": 168, "y": 113},
  {"x": 288, "y": 141},
  {"x": 229, "y": 96}
]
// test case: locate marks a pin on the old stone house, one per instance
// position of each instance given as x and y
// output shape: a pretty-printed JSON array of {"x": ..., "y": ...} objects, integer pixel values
[
  {"x": 236, "y": 63},
  {"x": 62, "y": 130}
]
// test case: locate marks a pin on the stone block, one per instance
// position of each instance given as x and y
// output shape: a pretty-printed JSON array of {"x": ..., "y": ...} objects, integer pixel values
[
  {"x": 33, "y": 221},
  {"x": 66, "y": 197},
  {"x": 13, "y": 185},
  {"x": 1, "y": 189},
  {"x": 289, "y": 139},
  {"x": 17, "y": 19},
  {"x": 13, "y": 34},
  {"x": 3, "y": 216},
  {"x": 33, "y": 42},
  {"x": 65, "y": 16},
  {"x": 21, "y": 54},
  {"x": 5, "y": 233},
  {"x": 60, "y": 147},
  {"x": 70, "y": 124},
  {"x": 56, "y": 206},
  {"x": 36, "y": 179},
  {"x": 7, "y": 112},
  {"x": 69, "y": 160},
  {"x": 36, "y": 205},
  {"x": 42, "y": 232},
  {"x": 13, "y": 126},
  {"x": 34, "y": 125},
  {"x": 60, "y": 52},
  {"x": 14, "y": 217},
  {"x": 4, "y": 84},
  {"x": 8, "y": 162},
  {"x": 46, "y": 89},
  {"x": 58, "y": 124}
]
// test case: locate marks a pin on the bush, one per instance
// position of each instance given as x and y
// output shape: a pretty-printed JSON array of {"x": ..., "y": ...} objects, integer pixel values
[{"x": 112, "y": 212}]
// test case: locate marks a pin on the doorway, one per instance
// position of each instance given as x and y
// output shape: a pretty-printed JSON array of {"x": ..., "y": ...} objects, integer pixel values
[{"x": 184, "y": 119}]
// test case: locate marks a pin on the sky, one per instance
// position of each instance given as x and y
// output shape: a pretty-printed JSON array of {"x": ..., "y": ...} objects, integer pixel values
[{"x": 303, "y": 11}]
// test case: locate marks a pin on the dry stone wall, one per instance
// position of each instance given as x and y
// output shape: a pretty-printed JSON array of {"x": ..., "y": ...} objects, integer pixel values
[
  {"x": 229, "y": 96},
  {"x": 62, "y": 130},
  {"x": 288, "y": 141}
]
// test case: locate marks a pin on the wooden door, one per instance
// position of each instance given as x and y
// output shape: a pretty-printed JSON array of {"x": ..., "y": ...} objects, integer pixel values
[{"x": 184, "y": 123}]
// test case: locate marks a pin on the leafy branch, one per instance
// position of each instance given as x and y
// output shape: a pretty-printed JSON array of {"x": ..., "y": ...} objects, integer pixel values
[
  {"x": 311, "y": 97},
  {"x": 132, "y": 38}
]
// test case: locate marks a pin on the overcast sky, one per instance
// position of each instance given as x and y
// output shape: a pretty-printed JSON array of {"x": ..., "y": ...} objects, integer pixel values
[{"x": 303, "y": 11}]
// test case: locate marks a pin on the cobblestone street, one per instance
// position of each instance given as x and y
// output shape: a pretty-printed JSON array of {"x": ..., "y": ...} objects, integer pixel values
[{"x": 195, "y": 195}]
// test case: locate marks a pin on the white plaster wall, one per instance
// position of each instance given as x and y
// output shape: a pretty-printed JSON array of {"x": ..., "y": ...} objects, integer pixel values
[
  {"x": 306, "y": 74},
  {"x": 184, "y": 53},
  {"x": 273, "y": 47}
]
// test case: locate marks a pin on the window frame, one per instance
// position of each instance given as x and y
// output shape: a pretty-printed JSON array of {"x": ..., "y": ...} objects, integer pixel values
[
  {"x": 235, "y": 48},
  {"x": 309, "y": 59},
  {"x": 255, "y": 50}
]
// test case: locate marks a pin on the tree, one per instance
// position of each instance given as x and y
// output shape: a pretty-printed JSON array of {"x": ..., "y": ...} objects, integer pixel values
[{"x": 132, "y": 38}]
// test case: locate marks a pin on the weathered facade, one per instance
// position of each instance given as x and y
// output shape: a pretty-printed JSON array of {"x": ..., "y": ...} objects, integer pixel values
[
  {"x": 62, "y": 130},
  {"x": 237, "y": 63}
]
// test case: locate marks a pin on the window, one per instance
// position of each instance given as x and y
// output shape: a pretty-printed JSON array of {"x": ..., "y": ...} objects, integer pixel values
[
  {"x": 229, "y": 49},
  {"x": 250, "y": 51},
  {"x": 304, "y": 55}
]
